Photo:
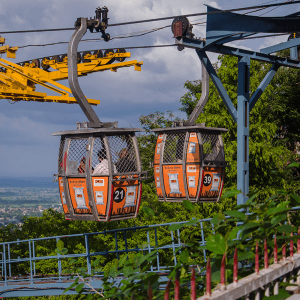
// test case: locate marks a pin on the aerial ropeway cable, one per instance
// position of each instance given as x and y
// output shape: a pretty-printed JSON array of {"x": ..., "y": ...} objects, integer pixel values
[{"x": 159, "y": 19}]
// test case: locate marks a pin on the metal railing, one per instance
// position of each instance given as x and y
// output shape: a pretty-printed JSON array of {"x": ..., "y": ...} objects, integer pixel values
[
  {"x": 23, "y": 261},
  {"x": 32, "y": 267}
]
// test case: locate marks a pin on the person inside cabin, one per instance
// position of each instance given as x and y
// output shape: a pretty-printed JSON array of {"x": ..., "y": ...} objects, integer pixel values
[
  {"x": 103, "y": 167},
  {"x": 81, "y": 168},
  {"x": 125, "y": 164}
]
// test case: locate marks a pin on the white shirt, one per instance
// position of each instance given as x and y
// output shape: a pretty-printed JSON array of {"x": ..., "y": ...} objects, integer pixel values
[{"x": 102, "y": 168}]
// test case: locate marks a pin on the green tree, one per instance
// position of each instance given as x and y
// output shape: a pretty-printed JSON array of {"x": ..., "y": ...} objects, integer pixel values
[{"x": 273, "y": 136}]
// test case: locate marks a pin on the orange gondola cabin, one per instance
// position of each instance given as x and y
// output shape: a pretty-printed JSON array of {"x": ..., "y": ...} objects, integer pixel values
[
  {"x": 189, "y": 163},
  {"x": 99, "y": 174}
]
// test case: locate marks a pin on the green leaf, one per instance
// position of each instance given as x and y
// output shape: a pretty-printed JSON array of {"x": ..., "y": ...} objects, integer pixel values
[
  {"x": 174, "y": 227},
  {"x": 191, "y": 222},
  {"x": 70, "y": 287},
  {"x": 250, "y": 200},
  {"x": 148, "y": 211},
  {"x": 249, "y": 225},
  {"x": 234, "y": 232},
  {"x": 96, "y": 262},
  {"x": 216, "y": 244},
  {"x": 280, "y": 208},
  {"x": 60, "y": 244},
  {"x": 278, "y": 219},
  {"x": 188, "y": 205},
  {"x": 215, "y": 276},
  {"x": 231, "y": 193},
  {"x": 149, "y": 257},
  {"x": 282, "y": 295},
  {"x": 216, "y": 219},
  {"x": 184, "y": 256},
  {"x": 293, "y": 164},
  {"x": 296, "y": 197},
  {"x": 285, "y": 228},
  {"x": 79, "y": 287},
  {"x": 237, "y": 214}
]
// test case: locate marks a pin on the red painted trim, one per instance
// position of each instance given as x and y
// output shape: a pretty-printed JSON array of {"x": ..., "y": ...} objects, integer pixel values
[
  {"x": 256, "y": 259},
  {"x": 266, "y": 257},
  {"x": 283, "y": 249},
  {"x": 167, "y": 291},
  {"x": 291, "y": 246},
  {"x": 275, "y": 251},
  {"x": 177, "y": 286},
  {"x": 298, "y": 241},
  {"x": 208, "y": 278},
  {"x": 223, "y": 266},
  {"x": 149, "y": 292},
  {"x": 193, "y": 285},
  {"x": 235, "y": 266},
  {"x": 139, "y": 201}
]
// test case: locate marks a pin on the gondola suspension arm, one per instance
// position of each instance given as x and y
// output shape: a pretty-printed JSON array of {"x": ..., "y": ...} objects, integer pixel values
[
  {"x": 94, "y": 121},
  {"x": 202, "y": 101}
]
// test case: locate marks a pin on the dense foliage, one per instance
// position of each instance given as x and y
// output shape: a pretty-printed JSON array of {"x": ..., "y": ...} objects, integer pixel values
[
  {"x": 274, "y": 136},
  {"x": 274, "y": 120}
]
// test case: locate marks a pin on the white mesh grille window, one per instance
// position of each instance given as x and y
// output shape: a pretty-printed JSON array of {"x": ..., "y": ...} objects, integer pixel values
[
  {"x": 99, "y": 154},
  {"x": 174, "y": 145},
  {"x": 123, "y": 153},
  {"x": 77, "y": 156},
  {"x": 212, "y": 150},
  {"x": 61, "y": 156}
]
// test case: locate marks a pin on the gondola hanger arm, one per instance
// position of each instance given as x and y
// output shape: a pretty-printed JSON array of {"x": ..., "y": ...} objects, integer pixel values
[{"x": 73, "y": 74}]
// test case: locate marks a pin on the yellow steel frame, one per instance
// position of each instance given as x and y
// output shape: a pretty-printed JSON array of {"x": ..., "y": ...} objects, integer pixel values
[{"x": 19, "y": 82}]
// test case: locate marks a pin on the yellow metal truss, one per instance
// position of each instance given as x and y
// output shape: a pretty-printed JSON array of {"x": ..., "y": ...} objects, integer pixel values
[{"x": 19, "y": 82}]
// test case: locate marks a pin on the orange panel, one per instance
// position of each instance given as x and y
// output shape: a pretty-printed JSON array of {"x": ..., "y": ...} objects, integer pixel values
[
  {"x": 100, "y": 190},
  {"x": 192, "y": 178},
  {"x": 79, "y": 196},
  {"x": 158, "y": 149},
  {"x": 158, "y": 181},
  {"x": 62, "y": 195},
  {"x": 211, "y": 184},
  {"x": 124, "y": 197},
  {"x": 173, "y": 181},
  {"x": 193, "y": 151}
]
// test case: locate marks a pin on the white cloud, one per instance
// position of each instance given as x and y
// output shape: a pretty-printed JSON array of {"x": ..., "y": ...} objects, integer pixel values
[{"x": 26, "y": 144}]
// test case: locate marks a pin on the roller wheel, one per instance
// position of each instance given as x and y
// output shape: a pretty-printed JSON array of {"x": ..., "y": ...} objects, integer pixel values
[
  {"x": 64, "y": 58},
  {"x": 106, "y": 37},
  {"x": 98, "y": 53},
  {"x": 78, "y": 58},
  {"x": 56, "y": 58},
  {"x": 35, "y": 63},
  {"x": 121, "y": 50},
  {"x": 85, "y": 60},
  {"x": 44, "y": 65},
  {"x": 107, "y": 53}
]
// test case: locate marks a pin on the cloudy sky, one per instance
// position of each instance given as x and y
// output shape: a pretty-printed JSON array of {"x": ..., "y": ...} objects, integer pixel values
[{"x": 27, "y": 147}]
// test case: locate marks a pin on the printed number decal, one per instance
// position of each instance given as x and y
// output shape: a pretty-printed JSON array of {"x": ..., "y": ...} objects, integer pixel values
[
  {"x": 119, "y": 195},
  {"x": 207, "y": 180}
]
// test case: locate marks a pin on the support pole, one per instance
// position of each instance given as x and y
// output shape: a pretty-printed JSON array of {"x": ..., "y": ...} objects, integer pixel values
[{"x": 243, "y": 129}]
